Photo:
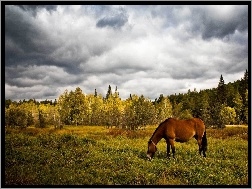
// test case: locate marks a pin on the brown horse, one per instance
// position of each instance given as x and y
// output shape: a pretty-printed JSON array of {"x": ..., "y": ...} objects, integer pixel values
[{"x": 180, "y": 131}]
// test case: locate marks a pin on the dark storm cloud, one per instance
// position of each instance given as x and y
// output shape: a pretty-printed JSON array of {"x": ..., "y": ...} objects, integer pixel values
[
  {"x": 27, "y": 44},
  {"x": 34, "y": 8},
  {"x": 23, "y": 36},
  {"x": 114, "y": 22},
  {"x": 23, "y": 40},
  {"x": 140, "y": 49},
  {"x": 220, "y": 22},
  {"x": 23, "y": 31}
]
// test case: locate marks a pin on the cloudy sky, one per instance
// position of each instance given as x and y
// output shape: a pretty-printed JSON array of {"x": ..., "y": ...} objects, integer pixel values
[{"x": 149, "y": 50}]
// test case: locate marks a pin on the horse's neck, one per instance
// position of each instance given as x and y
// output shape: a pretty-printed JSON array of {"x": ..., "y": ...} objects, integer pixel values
[{"x": 156, "y": 137}]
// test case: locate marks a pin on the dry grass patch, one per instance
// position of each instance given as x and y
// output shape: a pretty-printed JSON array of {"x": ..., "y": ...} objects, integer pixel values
[{"x": 240, "y": 132}]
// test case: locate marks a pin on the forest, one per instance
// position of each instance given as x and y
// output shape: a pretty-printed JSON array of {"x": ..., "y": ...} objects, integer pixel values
[{"x": 224, "y": 105}]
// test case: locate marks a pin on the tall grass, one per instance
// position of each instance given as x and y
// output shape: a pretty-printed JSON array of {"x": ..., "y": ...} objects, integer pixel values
[{"x": 98, "y": 156}]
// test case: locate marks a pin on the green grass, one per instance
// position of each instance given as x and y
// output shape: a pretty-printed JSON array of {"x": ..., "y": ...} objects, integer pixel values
[{"x": 99, "y": 156}]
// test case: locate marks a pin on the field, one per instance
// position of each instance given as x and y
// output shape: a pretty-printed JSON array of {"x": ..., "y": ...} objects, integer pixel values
[{"x": 88, "y": 155}]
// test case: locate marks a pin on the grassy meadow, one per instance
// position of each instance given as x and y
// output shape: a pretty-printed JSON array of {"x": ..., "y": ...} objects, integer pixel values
[{"x": 92, "y": 155}]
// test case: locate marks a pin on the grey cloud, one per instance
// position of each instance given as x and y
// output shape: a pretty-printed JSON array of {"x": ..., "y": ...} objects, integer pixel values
[
  {"x": 34, "y": 8},
  {"x": 24, "y": 82},
  {"x": 39, "y": 75},
  {"x": 24, "y": 30},
  {"x": 220, "y": 26},
  {"x": 240, "y": 38},
  {"x": 189, "y": 71},
  {"x": 207, "y": 21},
  {"x": 37, "y": 91},
  {"x": 27, "y": 45},
  {"x": 116, "y": 21},
  {"x": 233, "y": 64},
  {"x": 150, "y": 50},
  {"x": 97, "y": 10},
  {"x": 24, "y": 41},
  {"x": 221, "y": 29}
]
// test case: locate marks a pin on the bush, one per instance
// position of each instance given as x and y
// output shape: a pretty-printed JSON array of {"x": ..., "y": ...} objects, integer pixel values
[
  {"x": 228, "y": 115},
  {"x": 16, "y": 116}
]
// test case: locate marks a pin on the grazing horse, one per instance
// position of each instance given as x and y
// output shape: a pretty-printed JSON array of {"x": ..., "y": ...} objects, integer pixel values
[{"x": 180, "y": 131}]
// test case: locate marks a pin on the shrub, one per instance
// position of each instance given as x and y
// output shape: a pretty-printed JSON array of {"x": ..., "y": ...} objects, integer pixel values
[
  {"x": 228, "y": 115},
  {"x": 16, "y": 116}
]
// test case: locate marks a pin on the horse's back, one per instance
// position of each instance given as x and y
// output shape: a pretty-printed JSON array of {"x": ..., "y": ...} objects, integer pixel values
[
  {"x": 186, "y": 123},
  {"x": 200, "y": 126},
  {"x": 183, "y": 130}
]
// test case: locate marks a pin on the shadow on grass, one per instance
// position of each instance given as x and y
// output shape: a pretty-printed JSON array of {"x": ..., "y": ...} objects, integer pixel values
[
  {"x": 158, "y": 155},
  {"x": 142, "y": 155}
]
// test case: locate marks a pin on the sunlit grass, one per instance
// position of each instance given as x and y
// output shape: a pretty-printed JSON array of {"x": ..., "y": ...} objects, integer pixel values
[{"x": 96, "y": 155}]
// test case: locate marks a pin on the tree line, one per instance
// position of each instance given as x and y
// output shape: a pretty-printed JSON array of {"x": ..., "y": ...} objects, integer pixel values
[{"x": 226, "y": 104}]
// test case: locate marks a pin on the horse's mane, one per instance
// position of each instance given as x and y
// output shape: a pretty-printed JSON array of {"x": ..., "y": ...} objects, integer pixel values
[
  {"x": 159, "y": 127},
  {"x": 164, "y": 122}
]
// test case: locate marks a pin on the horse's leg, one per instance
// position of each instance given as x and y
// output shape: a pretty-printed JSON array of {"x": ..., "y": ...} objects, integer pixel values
[
  {"x": 203, "y": 149},
  {"x": 199, "y": 140},
  {"x": 168, "y": 148},
  {"x": 171, "y": 141},
  {"x": 200, "y": 145},
  {"x": 204, "y": 153}
]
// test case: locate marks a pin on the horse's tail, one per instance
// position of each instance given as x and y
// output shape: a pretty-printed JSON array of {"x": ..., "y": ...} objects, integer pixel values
[{"x": 204, "y": 141}]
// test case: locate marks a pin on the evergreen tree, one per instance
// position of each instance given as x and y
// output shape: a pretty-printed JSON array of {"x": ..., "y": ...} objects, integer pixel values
[
  {"x": 219, "y": 103},
  {"x": 231, "y": 93},
  {"x": 221, "y": 92},
  {"x": 245, "y": 78},
  {"x": 116, "y": 93},
  {"x": 244, "y": 93},
  {"x": 95, "y": 94},
  {"x": 109, "y": 93}
]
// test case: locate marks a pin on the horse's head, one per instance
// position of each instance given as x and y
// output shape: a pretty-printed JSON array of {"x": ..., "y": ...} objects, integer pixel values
[{"x": 152, "y": 148}]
